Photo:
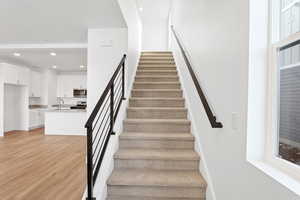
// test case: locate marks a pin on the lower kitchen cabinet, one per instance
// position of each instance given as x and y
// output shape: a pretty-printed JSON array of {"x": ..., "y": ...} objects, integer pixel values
[{"x": 36, "y": 119}]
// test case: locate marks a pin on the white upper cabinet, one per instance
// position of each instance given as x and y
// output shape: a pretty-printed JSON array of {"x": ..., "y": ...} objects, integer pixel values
[
  {"x": 9, "y": 74},
  {"x": 23, "y": 76},
  {"x": 66, "y": 83},
  {"x": 15, "y": 75},
  {"x": 35, "y": 84}
]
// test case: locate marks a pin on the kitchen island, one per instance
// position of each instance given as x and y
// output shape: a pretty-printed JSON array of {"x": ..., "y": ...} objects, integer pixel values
[{"x": 65, "y": 122}]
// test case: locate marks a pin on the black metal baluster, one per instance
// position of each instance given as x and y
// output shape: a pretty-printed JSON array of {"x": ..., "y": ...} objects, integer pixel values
[
  {"x": 112, "y": 92},
  {"x": 93, "y": 167},
  {"x": 123, "y": 81},
  {"x": 90, "y": 163}
]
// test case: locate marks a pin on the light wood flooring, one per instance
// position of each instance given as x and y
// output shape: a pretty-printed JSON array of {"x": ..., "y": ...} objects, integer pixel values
[{"x": 38, "y": 167}]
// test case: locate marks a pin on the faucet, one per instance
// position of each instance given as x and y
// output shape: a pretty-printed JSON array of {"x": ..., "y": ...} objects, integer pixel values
[{"x": 60, "y": 102}]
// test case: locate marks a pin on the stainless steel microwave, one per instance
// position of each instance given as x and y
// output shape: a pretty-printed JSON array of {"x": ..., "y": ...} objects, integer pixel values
[{"x": 79, "y": 93}]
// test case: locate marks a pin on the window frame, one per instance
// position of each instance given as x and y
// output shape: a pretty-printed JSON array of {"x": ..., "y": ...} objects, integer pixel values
[{"x": 273, "y": 114}]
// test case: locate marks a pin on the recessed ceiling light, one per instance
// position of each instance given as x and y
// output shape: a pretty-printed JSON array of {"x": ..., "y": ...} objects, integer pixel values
[
  {"x": 53, "y": 54},
  {"x": 141, "y": 9},
  {"x": 82, "y": 66},
  {"x": 54, "y": 66},
  {"x": 17, "y": 54}
]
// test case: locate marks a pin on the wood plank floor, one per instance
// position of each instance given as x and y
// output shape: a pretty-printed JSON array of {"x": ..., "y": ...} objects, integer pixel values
[{"x": 38, "y": 167}]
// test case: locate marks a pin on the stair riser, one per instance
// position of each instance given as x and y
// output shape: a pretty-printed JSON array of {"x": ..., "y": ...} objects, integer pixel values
[
  {"x": 157, "y": 59},
  {"x": 153, "y": 57},
  {"x": 142, "y": 67},
  {"x": 156, "y": 53},
  {"x": 156, "y": 144},
  {"x": 147, "y": 198},
  {"x": 156, "y": 63},
  {"x": 156, "y": 114},
  {"x": 161, "y": 192},
  {"x": 157, "y": 164},
  {"x": 156, "y": 103},
  {"x": 153, "y": 73},
  {"x": 156, "y": 94},
  {"x": 165, "y": 127},
  {"x": 156, "y": 86},
  {"x": 157, "y": 79}
]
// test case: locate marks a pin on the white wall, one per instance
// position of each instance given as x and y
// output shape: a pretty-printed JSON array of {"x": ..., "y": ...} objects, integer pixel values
[
  {"x": 15, "y": 99},
  {"x": 216, "y": 35},
  {"x": 22, "y": 103},
  {"x": 106, "y": 48},
  {"x": 1, "y": 103},
  {"x": 133, "y": 21},
  {"x": 155, "y": 35},
  {"x": 257, "y": 79},
  {"x": 154, "y": 17},
  {"x": 49, "y": 87},
  {"x": 102, "y": 61}
]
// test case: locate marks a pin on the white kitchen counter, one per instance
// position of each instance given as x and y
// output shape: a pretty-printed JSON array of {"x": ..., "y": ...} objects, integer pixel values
[{"x": 65, "y": 122}]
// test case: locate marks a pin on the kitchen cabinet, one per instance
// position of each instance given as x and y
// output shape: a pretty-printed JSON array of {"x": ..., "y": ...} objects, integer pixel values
[
  {"x": 9, "y": 74},
  {"x": 35, "y": 84},
  {"x": 15, "y": 75},
  {"x": 23, "y": 76},
  {"x": 64, "y": 87},
  {"x": 36, "y": 119},
  {"x": 67, "y": 83}
]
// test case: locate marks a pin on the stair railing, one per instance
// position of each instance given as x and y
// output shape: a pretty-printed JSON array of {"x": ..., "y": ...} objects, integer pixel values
[
  {"x": 212, "y": 118},
  {"x": 101, "y": 123}
]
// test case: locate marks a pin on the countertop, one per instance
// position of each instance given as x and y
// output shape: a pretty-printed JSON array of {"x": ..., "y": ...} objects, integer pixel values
[
  {"x": 66, "y": 111},
  {"x": 54, "y": 108}
]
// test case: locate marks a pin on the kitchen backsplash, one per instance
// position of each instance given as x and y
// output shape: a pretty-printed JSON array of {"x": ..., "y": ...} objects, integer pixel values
[
  {"x": 35, "y": 101},
  {"x": 71, "y": 101}
]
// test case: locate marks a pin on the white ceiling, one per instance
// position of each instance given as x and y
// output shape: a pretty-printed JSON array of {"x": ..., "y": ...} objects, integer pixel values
[
  {"x": 66, "y": 60},
  {"x": 55, "y": 21},
  {"x": 28, "y": 24},
  {"x": 154, "y": 9}
]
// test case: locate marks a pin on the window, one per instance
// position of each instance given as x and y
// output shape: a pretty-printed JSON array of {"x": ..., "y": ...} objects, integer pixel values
[
  {"x": 289, "y": 103},
  {"x": 290, "y": 17},
  {"x": 289, "y": 84},
  {"x": 274, "y": 78},
  {"x": 285, "y": 87}
]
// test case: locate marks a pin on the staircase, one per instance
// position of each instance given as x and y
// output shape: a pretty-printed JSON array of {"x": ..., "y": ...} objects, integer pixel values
[{"x": 156, "y": 159}]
